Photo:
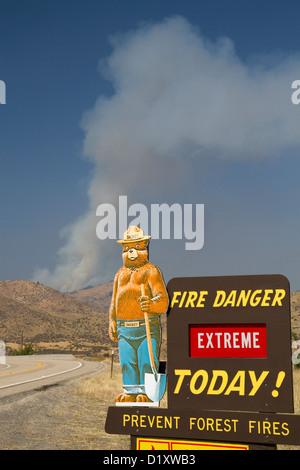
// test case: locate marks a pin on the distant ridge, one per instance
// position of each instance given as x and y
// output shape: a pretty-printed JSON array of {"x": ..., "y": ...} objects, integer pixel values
[{"x": 97, "y": 296}]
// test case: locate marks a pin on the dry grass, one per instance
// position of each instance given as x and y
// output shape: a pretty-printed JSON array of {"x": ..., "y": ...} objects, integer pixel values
[
  {"x": 103, "y": 386},
  {"x": 297, "y": 390},
  {"x": 296, "y": 405},
  {"x": 82, "y": 418}
]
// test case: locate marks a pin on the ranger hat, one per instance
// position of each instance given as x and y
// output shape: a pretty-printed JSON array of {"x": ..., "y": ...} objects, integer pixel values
[{"x": 134, "y": 234}]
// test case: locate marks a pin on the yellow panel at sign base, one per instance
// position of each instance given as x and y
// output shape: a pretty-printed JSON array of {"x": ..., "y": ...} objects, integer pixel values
[{"x": 166, "y": 444}]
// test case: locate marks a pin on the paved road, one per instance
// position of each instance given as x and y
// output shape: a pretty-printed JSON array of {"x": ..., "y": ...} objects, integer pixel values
[{"x": 25, "y": 373}]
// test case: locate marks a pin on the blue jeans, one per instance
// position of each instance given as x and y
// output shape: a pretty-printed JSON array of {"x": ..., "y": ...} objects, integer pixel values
[{"x": 134, "y": 354}]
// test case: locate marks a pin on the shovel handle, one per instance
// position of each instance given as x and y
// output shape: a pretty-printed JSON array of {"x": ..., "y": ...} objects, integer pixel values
[{"x": 148, "y": 332}]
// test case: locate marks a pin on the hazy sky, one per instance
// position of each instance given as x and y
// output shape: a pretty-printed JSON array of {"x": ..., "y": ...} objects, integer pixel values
[{"x": 173, "y": 101}]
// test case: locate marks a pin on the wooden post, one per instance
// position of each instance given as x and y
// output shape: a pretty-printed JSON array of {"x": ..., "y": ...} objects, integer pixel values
[{"x": 112, "y": 363}]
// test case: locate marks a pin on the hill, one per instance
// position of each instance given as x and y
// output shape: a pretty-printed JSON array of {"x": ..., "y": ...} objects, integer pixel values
[
  {"x": 98, "y": 296},
  {"x": 32, "y": 312}
]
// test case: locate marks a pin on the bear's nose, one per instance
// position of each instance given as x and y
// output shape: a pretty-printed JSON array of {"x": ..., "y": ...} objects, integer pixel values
[{"x": 132, "y": 253}]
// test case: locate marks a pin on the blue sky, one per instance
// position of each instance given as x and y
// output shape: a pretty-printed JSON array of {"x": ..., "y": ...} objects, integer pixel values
[{"x": 58, "y": 59}]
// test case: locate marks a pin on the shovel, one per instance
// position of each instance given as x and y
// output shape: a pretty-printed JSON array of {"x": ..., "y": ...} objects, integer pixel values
[{"x": 155, "y": 384}]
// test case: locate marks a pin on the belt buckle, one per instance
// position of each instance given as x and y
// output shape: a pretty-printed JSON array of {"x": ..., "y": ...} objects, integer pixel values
[{"x": 132, "y": 324}]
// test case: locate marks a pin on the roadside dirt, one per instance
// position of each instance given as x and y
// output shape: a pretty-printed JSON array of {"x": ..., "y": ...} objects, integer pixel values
[{"x": 57, "y": 418}]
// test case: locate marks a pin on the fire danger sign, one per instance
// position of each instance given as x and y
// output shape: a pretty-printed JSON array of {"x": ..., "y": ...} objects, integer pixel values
[{"x": 229, "y": 343}]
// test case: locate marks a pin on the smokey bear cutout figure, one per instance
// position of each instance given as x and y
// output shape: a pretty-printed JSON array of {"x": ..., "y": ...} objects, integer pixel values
[{"x": 127, "y": 320}]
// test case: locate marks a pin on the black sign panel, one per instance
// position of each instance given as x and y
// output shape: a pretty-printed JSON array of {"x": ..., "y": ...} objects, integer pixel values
[
  {"x": 229, "y": 343},
  {"x": 229, "y": 426}
]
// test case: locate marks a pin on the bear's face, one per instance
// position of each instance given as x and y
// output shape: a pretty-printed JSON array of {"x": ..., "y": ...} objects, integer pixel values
[{"x": 135, "y": 254}]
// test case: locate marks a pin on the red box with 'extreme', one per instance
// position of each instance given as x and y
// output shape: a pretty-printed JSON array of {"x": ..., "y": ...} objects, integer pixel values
[{"x": 227, "y": 340}]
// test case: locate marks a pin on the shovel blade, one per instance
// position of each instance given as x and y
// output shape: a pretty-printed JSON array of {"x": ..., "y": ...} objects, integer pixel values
[{"x": 155, "y": 388}]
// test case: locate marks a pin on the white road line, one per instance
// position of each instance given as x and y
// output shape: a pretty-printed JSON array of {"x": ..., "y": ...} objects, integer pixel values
[{"x": 43, "y": 377}]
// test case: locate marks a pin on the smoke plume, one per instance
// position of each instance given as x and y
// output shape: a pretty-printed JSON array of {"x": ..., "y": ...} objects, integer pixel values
[{"x": 179, "y": 101}]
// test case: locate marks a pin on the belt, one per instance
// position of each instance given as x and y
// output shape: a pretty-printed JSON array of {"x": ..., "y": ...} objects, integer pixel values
[{"x": 135, "y": 323}]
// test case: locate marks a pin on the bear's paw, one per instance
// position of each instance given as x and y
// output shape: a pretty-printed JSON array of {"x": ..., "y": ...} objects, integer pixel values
[
  {"x": 124, "y": 397},
  {"x": 143, "y": 398}
]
